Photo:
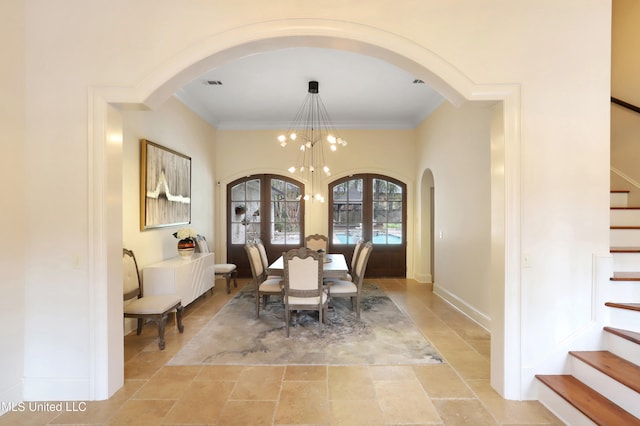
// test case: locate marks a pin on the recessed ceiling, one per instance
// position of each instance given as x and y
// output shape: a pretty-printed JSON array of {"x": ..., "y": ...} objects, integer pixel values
[{"x": 265, "y": 90}]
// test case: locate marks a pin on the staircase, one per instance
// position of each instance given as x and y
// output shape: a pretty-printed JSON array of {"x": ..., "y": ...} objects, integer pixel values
[{"x": 604, "y": 386}]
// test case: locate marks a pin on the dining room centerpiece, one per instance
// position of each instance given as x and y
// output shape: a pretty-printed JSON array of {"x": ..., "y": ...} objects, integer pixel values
[{"x": 186, "y": 242}]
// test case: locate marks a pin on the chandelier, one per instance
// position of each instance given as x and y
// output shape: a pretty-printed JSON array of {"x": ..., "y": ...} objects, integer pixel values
[{"x": 309, "y": 131}]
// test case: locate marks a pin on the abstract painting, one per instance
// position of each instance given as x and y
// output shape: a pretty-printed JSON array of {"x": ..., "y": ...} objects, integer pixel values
[{"x": 165, "y": 186}]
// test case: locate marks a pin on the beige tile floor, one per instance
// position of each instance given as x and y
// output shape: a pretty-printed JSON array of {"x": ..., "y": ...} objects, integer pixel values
[{"x": 455, "y": 393}]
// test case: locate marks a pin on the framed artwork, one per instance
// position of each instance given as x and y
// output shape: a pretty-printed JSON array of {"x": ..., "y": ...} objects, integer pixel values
[{"x": 165, "y": 186}]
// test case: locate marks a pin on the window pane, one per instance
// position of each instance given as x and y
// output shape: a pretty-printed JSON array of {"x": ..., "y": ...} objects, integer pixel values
[
  {"x": 253, "y": 190},
  {"x": 293, "y": 192},
  {"x": 237, "y": 233}
]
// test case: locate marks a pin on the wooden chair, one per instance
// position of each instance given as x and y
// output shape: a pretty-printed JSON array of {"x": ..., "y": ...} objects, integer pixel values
[
  {"x": 317, "y": 242},
  {"x": 155, "y": 308},
  {"x": 264, "y": 286},
  {"x": 352, "y": 289},
  {"x": 303, "y": 288}
]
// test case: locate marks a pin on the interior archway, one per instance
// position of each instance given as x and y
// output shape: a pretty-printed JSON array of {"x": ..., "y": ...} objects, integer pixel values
[
  {"x": 106, "y": 196},
  {"x": 425, "y": 271}
]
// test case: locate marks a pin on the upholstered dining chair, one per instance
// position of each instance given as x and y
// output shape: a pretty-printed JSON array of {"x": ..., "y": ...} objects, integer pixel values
[
  {"x": 264, "y": 287},
  {"x": 316, "y": 242},
  {"x": 263, "y": 256},
  {"x": 226, "y": 271},
  {"x": 353, "y": 288},
  {"x": 155, "y": 308},
  {"x": 354, "y": 260},
  {"x": 303, "y": 288}
]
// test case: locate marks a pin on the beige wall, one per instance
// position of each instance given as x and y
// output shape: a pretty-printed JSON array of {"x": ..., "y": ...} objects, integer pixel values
[
  {"x": 176, "y": 127},
  {"x": 454, "y": 144},
  {"x": 13, "y": 168},
  {"x": 82, "y": 55},
  {"x": 242, "y": 153}
]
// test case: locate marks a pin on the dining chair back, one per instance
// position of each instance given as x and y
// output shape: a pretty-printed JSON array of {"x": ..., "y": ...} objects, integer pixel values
[
  {"x": 264, "y": 286},
  {"x": 155, "y": 308},
  {"x": 303, "y": 288},
  {"x": 353, "y": 288},
  {"x": 317, "y": 242}
]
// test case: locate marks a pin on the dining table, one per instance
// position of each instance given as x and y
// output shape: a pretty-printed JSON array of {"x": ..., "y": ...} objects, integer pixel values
[{"x": 334, "y": 266}]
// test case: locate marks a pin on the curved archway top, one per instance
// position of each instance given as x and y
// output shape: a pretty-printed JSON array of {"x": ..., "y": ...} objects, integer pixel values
[{"x": 273, "y": 35}]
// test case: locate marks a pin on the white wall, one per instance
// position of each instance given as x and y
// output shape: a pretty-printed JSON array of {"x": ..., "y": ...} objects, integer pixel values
[
  {"x": 12, "y": 211},
  {"x": 454, "y": 145},
  {"x": 143, "y": 50},
  {"x": 176, "y": 127}
]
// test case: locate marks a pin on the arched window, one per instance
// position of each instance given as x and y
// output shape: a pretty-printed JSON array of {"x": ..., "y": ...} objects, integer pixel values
[{"x": 371, "y": 207}]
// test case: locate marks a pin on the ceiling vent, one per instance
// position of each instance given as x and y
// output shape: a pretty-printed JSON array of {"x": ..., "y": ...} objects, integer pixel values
[
  {"x": 418, "y": 81},
  {"x": 212, "y": 82}
]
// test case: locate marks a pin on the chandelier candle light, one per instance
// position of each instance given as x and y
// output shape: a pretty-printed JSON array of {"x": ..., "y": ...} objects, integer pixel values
[{"x": 310, "y": 128}]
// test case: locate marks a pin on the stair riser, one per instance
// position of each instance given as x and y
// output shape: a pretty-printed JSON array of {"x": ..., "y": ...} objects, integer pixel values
[
  {"x": 611, "y": 389},
  {"x": 626, "y": 262},
  {"x": 619, "y": 200},
  {"x": 625, "y": 291},
  {"x": 624, "y": 217},
  {"x": 624, "y": 237},
  {"x": 624, "y": 319},
  {"x": 623, "y": 348},
  {"x": 561, "y": 408}
]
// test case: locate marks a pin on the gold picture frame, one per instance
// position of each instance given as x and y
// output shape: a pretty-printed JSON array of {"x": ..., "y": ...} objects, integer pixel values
[{"x": 165, "y": 186}]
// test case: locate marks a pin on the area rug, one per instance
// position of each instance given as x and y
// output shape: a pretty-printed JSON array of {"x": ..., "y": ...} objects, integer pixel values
[{"x": 383, "y": 335}]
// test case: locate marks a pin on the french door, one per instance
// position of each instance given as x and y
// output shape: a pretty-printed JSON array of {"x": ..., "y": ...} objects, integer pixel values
[
  {"x": 268, "y": 207},
  {"x": 373, "y": 208}
]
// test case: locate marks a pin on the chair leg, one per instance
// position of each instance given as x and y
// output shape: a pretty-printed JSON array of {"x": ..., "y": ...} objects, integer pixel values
[
  {"x": 286, "y": 319},
  {"x": 179, "y": 318},
  {"x": 161, "y": 323},
  {"x": 139, "y": 328},
  {"x": 228, "y": 279},
  {"x": 257, "y": 304},
  {"x": 234, "y": 274}
]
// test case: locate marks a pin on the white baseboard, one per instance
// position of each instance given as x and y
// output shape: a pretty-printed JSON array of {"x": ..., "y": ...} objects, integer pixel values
[
  {"x": 481, "y": 319},
  {"x": 424, "y": 278}
]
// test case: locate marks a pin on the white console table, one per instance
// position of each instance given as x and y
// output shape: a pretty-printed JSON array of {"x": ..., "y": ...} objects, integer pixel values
[{"x": 188, "y": 278}]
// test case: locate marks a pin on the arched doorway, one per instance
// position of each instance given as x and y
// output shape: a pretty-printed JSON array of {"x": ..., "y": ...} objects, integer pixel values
[
  {"x": 105, "y": 158},
  {"x": 426, "y": 272}
]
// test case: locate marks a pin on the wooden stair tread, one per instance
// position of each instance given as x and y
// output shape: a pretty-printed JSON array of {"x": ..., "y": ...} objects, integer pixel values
[
  {"x": 622, "y": 305},
  {"x": 631, "y": 336},
  {"x": 590, "y": 403},
  {"x": 624, "y": 227},
  {"x": 613, "y": 366},
  {"x": 624, "y": 249},
  {"x": 620, "y": 191},
  {"x": 625, "y": 276},
  {"x": 624, "y": 208}
]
